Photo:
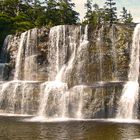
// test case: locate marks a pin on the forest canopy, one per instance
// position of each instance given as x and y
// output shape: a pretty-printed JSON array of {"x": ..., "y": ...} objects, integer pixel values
[{"x": 21, "y": 15}]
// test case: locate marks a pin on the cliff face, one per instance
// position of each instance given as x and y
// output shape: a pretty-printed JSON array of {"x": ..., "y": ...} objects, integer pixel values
[
  {"x": 92, "y": 62},
  {"x": 98, "y": 54},
  {"x": 32, "y": 51}
]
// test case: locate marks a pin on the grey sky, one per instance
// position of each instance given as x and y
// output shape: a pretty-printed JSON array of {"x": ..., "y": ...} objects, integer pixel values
[{"x": 131, "y": 5}]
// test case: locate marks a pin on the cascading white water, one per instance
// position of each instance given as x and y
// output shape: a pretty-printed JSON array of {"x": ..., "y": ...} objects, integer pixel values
[
  {"x": 100, "y": 44},
  {"x": 128, "y": 102},
  {"x": 25, "y": 61},
  {"x": 11, "y": 101},
  {"x": 19, "y": 57},
  {"x": 68, "y": 60},
  {"x": 30, "y": 66},
  {"x": 56, "y": 90},
  {"x": 80, "y": 104},
  {"x": 19, "y": 93},
  {"x": 57, "y": 85}
]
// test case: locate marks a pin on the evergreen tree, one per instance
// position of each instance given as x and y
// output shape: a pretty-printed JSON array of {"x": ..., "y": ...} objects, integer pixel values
[
  {"x": 60, "y": 12},
  {"x": 11, "y": 7},
  {"x": 67, "y": 14},
  {"x": 88, "y": 6},
  {"x": 110, "y": 11},
  {"x": 125, "y": 16},
  {"x": 52, "y": 14},
  {"x": 100, "y": 12},
  {"x": 94, "y": 15},
  {"x": 21, "y": 15},
  {"x": 129, "y": 18},
  {"x": 90, "y": 17}
]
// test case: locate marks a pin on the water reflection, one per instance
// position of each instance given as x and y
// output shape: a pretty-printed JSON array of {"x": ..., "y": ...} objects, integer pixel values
[
  {"x": 62, "y": 131},
  {"x": 12, "y": 128},
  {"x": 131, "y": 132}
]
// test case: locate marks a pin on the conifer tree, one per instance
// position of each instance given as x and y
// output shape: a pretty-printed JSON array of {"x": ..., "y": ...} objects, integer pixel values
[
  {"x": 129, "y": 18},
  {"x": 110, "y": 11},
  {"x": 67, "y": 14},
  {"x": 94, "y": 15},
  {"x": 125, "y": 16}
]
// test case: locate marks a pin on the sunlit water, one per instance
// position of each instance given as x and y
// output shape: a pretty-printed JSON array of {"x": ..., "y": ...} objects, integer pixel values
[
  {"x": 15, "y": 128},
  {"x": 127, "y": 108}
]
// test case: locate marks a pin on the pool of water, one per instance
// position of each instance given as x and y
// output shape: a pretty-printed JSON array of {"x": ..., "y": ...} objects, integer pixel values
[{"x": 16, "y": 128}]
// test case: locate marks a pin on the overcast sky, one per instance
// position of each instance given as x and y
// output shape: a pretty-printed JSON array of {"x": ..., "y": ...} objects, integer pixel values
[{"x": 131, "y": 5}]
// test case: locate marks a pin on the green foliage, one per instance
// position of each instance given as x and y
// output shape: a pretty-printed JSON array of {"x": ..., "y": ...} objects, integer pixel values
[
  {"x": 67, "y": 14},
  {"x": 110, "y": 11},
  {"x": 125, "y": 16},
  {"x": 129, "y": 18},
  {"x": 94, "y": 15},
  {"x": 60, "y": 12},
  {"x": 10, "y": 7},
  {"x": 5, "y": 26},
  {"x": 21, "y": 15},
  {"x": 108, "y": 14}
]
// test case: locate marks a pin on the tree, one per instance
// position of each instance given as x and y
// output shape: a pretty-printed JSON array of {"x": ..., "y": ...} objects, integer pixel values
[
  {"x": 67, "y": 14},
  {"x": 129, "y": 18},
  {"x": 125, "y": 16},
  {"x": 88, "y": 6},
  {"x": 94, "y": 15},
  {"x": 5, "y": 26},
  {"x": 22, "y": 15},
  {"x": 52, "y": 14},
  {"x": 10, "y": 7},
  {"x": 110, "y": 11},
  {"x": 60, "y": 12},
  {"x": 88, "y": 17},
  {"x": 100, "y": 12}
]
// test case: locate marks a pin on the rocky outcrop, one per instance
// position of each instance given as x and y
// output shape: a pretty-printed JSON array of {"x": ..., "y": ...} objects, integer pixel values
[
  {"x": 92, "y": 62},
  {"x": 104, "y": 58}
]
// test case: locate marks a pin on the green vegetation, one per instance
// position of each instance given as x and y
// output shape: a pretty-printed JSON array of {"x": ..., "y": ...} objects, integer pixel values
[
  {"x": 126, "y": 17},
  {"x": 110, "y": 11},
  {"x": 108, "y": 14},
  {"x": 21, "y": 15}
]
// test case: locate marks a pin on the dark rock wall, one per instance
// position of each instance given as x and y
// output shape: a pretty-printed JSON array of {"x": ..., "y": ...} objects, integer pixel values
[{"x": 103, "y": 57}]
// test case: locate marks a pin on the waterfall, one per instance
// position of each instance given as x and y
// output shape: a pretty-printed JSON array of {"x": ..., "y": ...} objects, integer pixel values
[
  {"x": 19, "y": 57},
  {"x": 80, "y": 104},
  {"x": 11, "y": 97},
  {"x": 54, "y": 94},
  {"x": 59, "y": 72},
  {"x": 128, "y": 102},
  {"x": 56, "y": 87},
  {"x": 17, "y": 96},
  {"x": 30, "y": 66},
  {"x": 100, "y": 44}
]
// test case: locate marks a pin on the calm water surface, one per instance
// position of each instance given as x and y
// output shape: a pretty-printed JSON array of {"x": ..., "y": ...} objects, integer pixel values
[{"x": 13, "y": 128}]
